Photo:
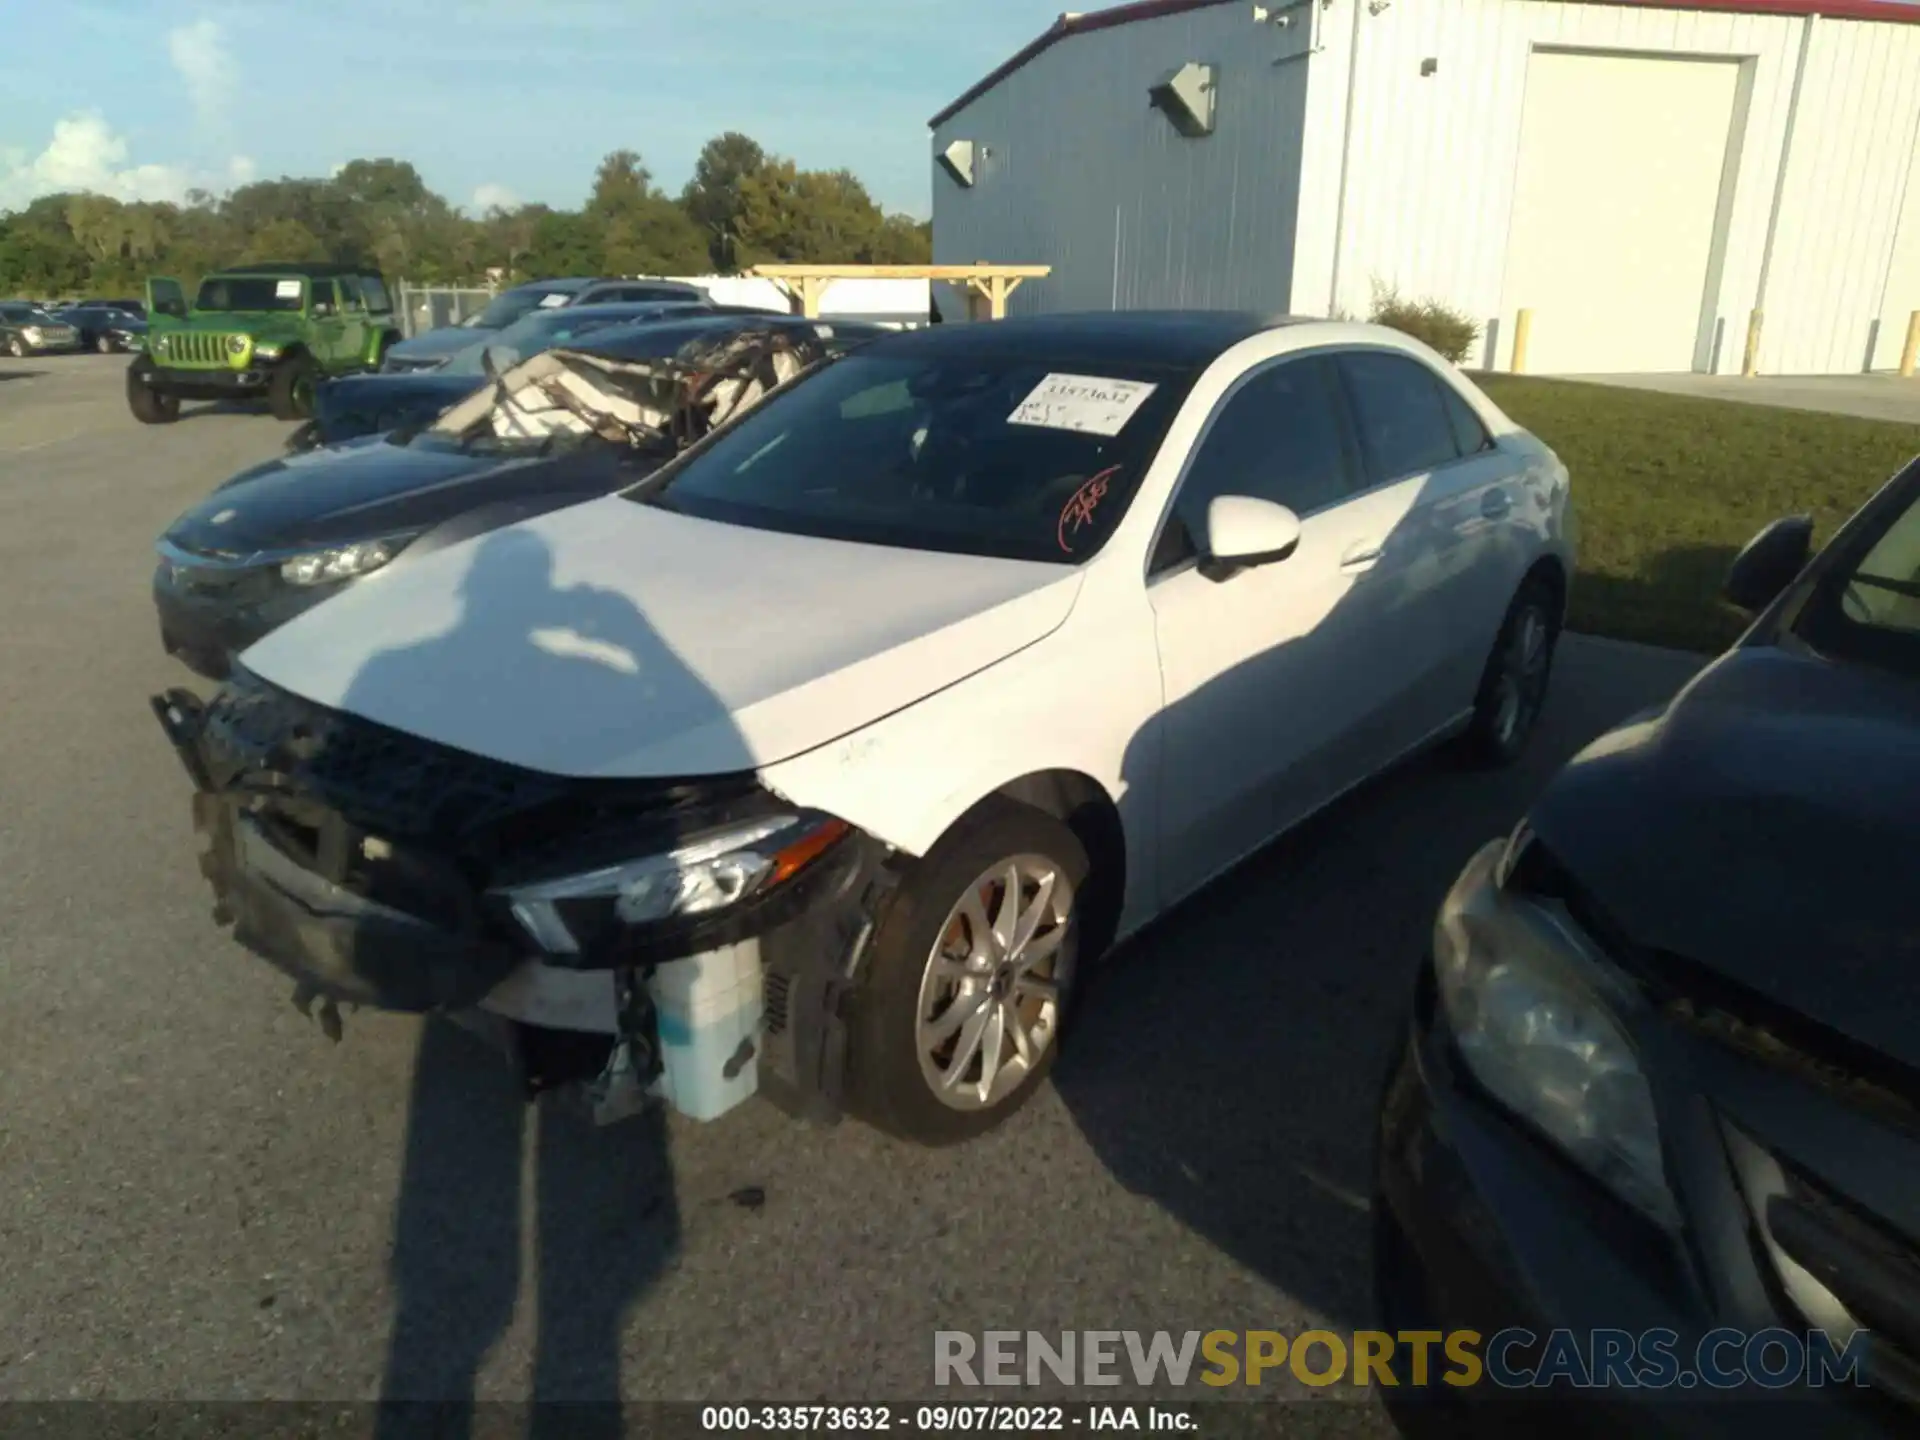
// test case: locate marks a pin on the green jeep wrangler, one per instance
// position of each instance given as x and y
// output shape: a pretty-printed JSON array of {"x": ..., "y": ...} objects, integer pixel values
[{"x": 267, "y": 330}]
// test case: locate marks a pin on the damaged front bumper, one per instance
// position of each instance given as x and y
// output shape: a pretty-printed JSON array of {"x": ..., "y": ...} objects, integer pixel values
[{"x": 388, "y": 916}]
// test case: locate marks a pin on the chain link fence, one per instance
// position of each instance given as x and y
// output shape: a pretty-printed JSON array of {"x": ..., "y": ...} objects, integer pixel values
[{"x": 428, "y": 307}]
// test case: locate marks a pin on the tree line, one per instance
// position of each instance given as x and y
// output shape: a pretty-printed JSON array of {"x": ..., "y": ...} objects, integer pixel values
[{"x": 743, "y": 206}]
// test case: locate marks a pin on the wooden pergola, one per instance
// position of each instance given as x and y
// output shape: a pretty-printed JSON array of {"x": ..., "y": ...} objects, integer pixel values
[{"x": 987, "y": 285}]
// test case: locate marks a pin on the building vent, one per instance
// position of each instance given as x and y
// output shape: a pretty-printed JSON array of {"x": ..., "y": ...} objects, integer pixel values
[
  {"x": 957, "y": 161},
  {"x": 1186, "y": 98}
]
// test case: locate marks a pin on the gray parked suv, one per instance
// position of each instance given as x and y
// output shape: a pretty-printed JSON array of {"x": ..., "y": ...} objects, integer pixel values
[{"x": 431, "y": 350}]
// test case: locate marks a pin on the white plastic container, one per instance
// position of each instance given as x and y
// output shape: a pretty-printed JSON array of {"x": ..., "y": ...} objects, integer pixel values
[{"x": 708, "y": 1009}]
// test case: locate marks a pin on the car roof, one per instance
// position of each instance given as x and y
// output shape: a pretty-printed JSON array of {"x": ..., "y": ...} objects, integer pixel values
[
  {"x": 654, "y": 339},
  {"x": 663, "y": 306},
  {"x": 319, "y": 270},
  {"x": 1185, "y": 338}
]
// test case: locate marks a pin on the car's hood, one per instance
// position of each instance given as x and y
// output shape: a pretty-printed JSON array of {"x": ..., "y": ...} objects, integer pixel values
[
  {"x": 1765, "y": 826},
  {"x": 618, "y": 640},
  {"x": 438, "y": 344},
  {"x": 257, "y": 323},
  {"x": 369, "y": 488}
]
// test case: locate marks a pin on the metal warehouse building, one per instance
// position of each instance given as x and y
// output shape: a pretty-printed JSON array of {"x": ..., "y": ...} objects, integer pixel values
[{"x": 1700, "y": 185}]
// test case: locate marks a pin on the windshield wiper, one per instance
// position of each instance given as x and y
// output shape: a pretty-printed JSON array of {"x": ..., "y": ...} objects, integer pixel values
[{"x": 1908, "y": 588}]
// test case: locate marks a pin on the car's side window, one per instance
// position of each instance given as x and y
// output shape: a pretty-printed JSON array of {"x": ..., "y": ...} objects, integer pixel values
[
  {"x": 1469, "y": 430},
  {"x": 350, "y": 293},
  {"x": 1404, "y": 428},
  {"x": 374, "y": 292},
  {"x": 1281, "y": 436},
  {"x": 322, "y": 296}
]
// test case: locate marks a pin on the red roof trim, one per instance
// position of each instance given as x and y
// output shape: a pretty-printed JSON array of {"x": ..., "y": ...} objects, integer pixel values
[{"x": 1893, "y": 11}]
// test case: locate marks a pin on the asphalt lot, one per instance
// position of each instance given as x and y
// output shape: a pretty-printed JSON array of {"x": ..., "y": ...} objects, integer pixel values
[{"x": 204, "y": 1199}]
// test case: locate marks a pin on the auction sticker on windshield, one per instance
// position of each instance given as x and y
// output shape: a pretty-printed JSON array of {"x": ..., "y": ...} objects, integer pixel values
[
  {"x": 548, "y": 302},
  {"x": 1086, "y": 403},
  {"x": 286, "y": 289}
]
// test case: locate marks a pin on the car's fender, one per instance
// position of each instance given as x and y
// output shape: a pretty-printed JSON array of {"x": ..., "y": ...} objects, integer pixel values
[{"x": 1085, "y": 699}]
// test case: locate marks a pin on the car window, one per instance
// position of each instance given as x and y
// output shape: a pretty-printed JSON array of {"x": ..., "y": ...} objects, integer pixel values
[
  {"x": 13, "y": 312},
  {"x": 1470, "y": 435},
  {"x": 349, "y": 293},
  {"x": 1280, "y": 436},
  {"x": 1403, "y": 424},
  {"x": 1867, "y": 609},
  {"x": 374, "y": 291},
  {"x": 323, "y": 297},
  {"x": 994, "y": 454},
  {"x": 250, "y": 292}
]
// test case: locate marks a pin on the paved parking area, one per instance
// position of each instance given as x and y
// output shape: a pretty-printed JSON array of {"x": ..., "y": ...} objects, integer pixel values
[
  {"x": 204, "y": 1199},
  {"x": 1871, "y": 397}
]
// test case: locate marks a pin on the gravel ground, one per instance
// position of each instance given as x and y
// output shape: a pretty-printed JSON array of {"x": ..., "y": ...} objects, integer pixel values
[{"x": 205, "y": 1200}]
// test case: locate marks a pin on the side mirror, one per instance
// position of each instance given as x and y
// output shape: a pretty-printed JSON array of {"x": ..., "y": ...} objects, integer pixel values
[
  {"x": 1243, "y": 532},
  {"x": 1771, "y": 561}
]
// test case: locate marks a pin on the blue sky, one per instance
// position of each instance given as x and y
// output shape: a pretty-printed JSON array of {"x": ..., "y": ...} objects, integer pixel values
[{"x": 491, "y": 99}]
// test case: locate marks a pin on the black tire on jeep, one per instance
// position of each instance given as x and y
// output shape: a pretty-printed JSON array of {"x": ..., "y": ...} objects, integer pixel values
[
  {"x": 290, "y": 389},
  {"x": 149, "y": 406},
  {"x": 387, "y": 341}
]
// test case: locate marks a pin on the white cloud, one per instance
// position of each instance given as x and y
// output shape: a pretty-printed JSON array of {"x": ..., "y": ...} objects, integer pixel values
[
  {"x": 487, "y": 196},
  {"x": 86, "y": 154},
  {"x": 199, "y": 54}
]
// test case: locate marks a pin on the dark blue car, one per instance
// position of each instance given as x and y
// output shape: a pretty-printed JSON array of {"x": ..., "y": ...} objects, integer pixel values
[{"x": 356, "y": 405}]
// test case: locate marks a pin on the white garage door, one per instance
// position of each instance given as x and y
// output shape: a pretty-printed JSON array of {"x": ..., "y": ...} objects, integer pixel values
[{"x": 1614, "y": 205}]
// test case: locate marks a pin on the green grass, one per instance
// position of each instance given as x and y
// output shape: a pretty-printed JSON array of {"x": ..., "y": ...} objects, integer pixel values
[{"x": 1668, "y": 488}]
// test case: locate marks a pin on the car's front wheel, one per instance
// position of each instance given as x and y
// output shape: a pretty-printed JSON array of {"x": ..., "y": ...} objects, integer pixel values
[
  {"x": 104, "y": 345},
  {"x": 1513, "y": 687},
  {"x": 290, "y": 388},
  {"x": 149, "y": 406},
  {"x": 971, "y": 978},
  {"x": 16, "y": 347}
]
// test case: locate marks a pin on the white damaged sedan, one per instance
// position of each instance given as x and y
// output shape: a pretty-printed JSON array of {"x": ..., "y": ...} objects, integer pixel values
[{"x": 822, "y": 760}]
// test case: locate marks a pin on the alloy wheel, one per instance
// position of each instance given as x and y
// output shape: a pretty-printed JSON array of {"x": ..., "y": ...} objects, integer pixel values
[
  {"x": 992, "y": 991},
  {"x": 1523, "y": 675}
]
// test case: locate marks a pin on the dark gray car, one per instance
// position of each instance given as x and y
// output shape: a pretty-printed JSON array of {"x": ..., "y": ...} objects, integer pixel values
[
  {"x": 26, "y": 329},
  {"x": 429, "y": 350}
]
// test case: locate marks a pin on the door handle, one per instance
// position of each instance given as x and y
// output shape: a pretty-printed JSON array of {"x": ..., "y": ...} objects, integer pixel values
[
  {"x": 1495, "y": 504},
  {"x": 1362, "y": 555}
]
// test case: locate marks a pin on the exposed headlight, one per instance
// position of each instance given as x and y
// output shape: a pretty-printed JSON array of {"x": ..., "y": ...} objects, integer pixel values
[
  {"x": 705, "y": 875},
  {"x": 1534, "y": 1010},
  {"x": 341, "y": 563},
  {"x": 237, "y": 344},
  {"x": 268, "y": 351},
  {"x": 32, "y": 333},
  {"x": 160, "y": 344}
]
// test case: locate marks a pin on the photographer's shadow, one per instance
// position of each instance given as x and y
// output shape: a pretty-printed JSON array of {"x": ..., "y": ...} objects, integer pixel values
[{"x": 577, "y": 667}]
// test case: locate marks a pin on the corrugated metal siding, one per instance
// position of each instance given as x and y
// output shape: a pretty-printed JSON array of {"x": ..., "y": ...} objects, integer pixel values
[
  {"x": 1080, "y": 174},
  {"x": 1430, "y": 189},
  {"x": 1084, "y": 173},
  {"x": 1852, "y": 148},
  {"x": 1903, "y": 276}
]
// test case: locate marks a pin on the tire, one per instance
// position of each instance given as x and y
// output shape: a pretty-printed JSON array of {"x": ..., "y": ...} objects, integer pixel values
[
  {"x": 149, "y": 406},
  {"x": 1513, "y": 687},
  {"x": 103, "y": 344},
  {"x": 290, "y": 389},
  {"x": 16, "y": 347},
  {"x": 387, "y": 342},
  {"x": 899, "y": 1052}
]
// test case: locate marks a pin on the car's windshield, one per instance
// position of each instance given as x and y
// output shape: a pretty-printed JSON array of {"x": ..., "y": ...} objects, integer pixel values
[
  {"x": 503, "y": 310},
  {"x": 1868, "y": 609},
  {"x": 19, "y": 312},
  {"x": 1004, "y": 455},
  {"x": 250, "y": 292}
]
